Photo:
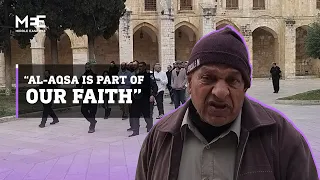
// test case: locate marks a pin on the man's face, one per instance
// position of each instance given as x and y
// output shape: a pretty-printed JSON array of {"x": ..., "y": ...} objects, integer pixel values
[
  {"x": 142, "y": 68},
  {"x": 217, "y": 92},
  {"x": 112, "y": 64},
  {"x": 169, "y": 68},
  {"x": 157, "y": 68},
  {"x": 274, "y": 65},
  {"x": 135, "y": 65},
  {"x": 88, "y": 67},
  {"x": 123, "y": 66},
  {"x": 46, "y": 74}
]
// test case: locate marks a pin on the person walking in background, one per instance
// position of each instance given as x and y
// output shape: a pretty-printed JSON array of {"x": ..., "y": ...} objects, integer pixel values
[
  {"x": 89, "y": 110},
  {"x": 275, "y": 75},
  {"x": 169, "y": 74},
  {"x": 162, "y": 81},
  {"x": 178, "y": 84},
  {"x": 141, "y": 101},
  {"x": 107, "y": 109},
  {"x": 126, "y": 73},
  {"x": 47, "y": 108}
]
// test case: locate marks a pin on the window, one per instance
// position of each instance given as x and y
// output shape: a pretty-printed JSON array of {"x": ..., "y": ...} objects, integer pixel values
[
  {"x": 259, "y": 4},
  {"x": 185, "y": 4},
  {"x": 232, "y": 4},
  {"x": 150, "y": 5},
  {"x": 318, "y": 4}
]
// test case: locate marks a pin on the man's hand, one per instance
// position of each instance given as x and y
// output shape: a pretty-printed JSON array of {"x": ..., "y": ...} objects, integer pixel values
[{"x": 151, "y": 99}]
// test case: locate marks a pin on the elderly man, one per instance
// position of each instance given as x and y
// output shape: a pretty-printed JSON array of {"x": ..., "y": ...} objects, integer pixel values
[{"x": 220, "y": 133}]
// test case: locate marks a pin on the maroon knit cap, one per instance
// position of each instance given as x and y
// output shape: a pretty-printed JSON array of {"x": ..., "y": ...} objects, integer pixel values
[{"x": 224, "y": 46}]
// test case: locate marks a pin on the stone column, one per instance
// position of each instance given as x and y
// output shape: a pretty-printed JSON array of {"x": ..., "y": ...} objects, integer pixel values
[
  {"x": 290, "y": 49},
  {"x": 208, "y": 13},
  {"x": 166, "y": 36},
  {"x": 126, "y": 38},
  {"x": 2, "y": 69},
  {"x": 247, "y": 33},
  {"x": 80, "y": 54},
  {"x": 38, "y": 58}
]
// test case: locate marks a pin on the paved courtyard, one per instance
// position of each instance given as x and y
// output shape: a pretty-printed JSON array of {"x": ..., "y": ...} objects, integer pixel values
[{"x": 66, "y": 151}]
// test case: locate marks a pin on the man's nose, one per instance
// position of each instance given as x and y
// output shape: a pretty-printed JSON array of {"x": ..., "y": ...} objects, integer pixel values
[{"x": 221, "y": 89}]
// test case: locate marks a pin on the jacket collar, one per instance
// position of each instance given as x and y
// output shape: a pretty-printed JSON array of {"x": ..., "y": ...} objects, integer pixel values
[{"x": 254, "y": 115}]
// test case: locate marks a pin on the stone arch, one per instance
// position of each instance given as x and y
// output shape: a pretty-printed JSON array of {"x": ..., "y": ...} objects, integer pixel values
[
  {"x": 190, "y": 26},
  {"x": 145, "y": 44},
  {"x": 147, "y": 28},
  {"x": 64, "y": 44},
  {"x": 107, "y": 50},
  {"x": 222, "y": 23},
  {"x": 265, "y": 51},
  {"x": 305, "y": 65},
  {"x": 185, "y": 39}
]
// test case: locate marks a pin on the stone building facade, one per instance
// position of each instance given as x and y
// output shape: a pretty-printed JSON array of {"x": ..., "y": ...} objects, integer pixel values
[{"x": 166, "y": 30}]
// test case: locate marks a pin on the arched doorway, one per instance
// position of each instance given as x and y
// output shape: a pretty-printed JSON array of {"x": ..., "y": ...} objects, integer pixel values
[
  {"x": 145, "y": 45},
  {"x": 304, "y": 64},
  {"x": 64, "y": 50},
  {"x": 223, "y": 23},
  {"x": 185, "y": 39},
  {"x": 107, "y": 50},
  {"x": 265, "y": 51}
]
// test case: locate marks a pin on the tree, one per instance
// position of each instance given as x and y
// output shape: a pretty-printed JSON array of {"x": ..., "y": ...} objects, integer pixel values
[
  {"x": 95, "y": 18},
  {"x": 11, "y": 8},
  {"x": 55, "y": 23},
  {"x": 313, "y": 40}
]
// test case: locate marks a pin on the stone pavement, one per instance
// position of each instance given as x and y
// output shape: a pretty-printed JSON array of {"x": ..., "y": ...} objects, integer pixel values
[{"x": 66, "y": 151}]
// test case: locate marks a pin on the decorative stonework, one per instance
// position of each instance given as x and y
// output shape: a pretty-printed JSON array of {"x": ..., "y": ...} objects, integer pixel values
[
  {"x": 166, "y": 42},
  {"x": 247, "y": 34},
  {"x": 290, "y": 49},
  {"x": 126, "y": 38},
  {"x": 166, "y": 35},
  {"x": 208, "y": 13}
]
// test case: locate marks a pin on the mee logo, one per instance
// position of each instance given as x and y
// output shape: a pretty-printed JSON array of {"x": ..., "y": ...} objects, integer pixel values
[{"x": 37, "y": 22}]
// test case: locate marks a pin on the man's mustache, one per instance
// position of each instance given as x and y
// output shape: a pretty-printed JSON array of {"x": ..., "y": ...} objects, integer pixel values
[{"x": 219, "y": 104}]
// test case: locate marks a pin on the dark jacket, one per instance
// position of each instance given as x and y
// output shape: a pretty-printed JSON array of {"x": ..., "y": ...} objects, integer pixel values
[
  {"x": 169, "y": 74},
  {"x": 94, "y": 86},
  {"x": 270, "y": 148},
  {"x": 148, "y": 87},
  {"x": 275, "y": 72}
]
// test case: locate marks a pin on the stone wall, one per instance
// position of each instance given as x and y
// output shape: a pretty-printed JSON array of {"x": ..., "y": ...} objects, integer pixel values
[
  {"x": 183, "y": 46},
  {"x": 64, "y": 50},
  {"x": 107, "y": 50},
  {"x": 144, "y": 49}
]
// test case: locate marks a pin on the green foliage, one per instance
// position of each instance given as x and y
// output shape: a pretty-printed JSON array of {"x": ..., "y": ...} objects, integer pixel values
[
  {"x": 56, "y": 20},
  {"x": 313, "y": 40},
  {"x": 21, "y": 8},
  {"x": 95, "y": 17}
]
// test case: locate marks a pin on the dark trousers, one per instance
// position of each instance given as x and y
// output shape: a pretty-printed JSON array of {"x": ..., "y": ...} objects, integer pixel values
[
  {"x": 47, "y": 110},
  {"x": 89, "y": 112},
  {"x": 171, "y": 92},
  {"x": 107, "y": 109},
  {"x": 276, "y": 84},
  {"x": 179, "y": 96},
  {"x": 125, "y": 109},
  {"x": 138, "y": 107},
  {"x": 159, "y": 100}
]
